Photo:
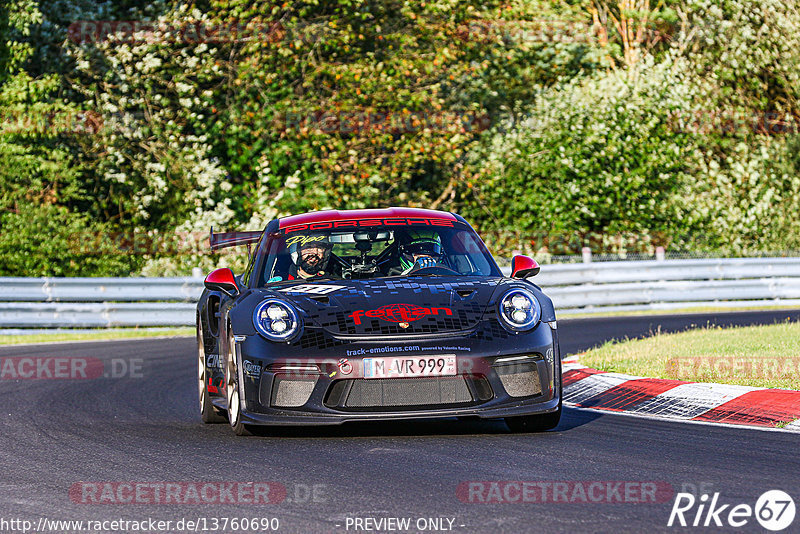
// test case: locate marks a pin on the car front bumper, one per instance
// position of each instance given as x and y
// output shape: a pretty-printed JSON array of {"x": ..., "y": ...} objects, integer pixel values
[{"x": 516, "y": 378}]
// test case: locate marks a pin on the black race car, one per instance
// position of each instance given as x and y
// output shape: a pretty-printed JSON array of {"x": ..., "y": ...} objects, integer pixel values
[{"x": 374, "y": 315}]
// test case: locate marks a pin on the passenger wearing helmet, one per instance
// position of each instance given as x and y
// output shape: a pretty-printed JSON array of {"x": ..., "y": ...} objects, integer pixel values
[
  {"x": 419, "y": 249},
  {"x": 310, "y": 256}
]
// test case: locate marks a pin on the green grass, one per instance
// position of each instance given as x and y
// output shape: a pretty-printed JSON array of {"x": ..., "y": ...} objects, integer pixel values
[
  {"x": 761, "y": 356},
  {"x": 96, "y": 335}
]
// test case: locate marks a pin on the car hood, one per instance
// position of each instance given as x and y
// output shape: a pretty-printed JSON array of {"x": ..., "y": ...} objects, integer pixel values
[{"x": 387, "y": 306}]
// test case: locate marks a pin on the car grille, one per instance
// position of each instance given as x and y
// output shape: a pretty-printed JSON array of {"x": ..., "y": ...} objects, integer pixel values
[
  {"x": 399, "y": 392},
  {"x": 408, "y": 392}
]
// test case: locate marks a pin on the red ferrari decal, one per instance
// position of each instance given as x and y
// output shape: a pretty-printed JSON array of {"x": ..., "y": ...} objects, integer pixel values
[
  {"x": 365, "y": 223},
  {"x": 398, "y": 313}
]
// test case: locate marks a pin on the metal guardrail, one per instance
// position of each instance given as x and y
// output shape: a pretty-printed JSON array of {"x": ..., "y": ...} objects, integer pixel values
[
  {"x": 670, "y": 284},
  {"x": 98, "y": 302},
  {"x": 574, "y": 288},
  {"x": 95, "y": 314},
  {"x": 99, "y": 289},
  {"x": 646, "y": 271}
]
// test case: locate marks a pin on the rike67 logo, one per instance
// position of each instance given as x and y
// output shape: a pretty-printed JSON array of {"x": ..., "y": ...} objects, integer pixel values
[{"x": 774, "y": 510}]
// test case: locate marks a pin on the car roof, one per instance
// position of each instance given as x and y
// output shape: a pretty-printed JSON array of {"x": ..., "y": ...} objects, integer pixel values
[{"x": 349, "y": 215}]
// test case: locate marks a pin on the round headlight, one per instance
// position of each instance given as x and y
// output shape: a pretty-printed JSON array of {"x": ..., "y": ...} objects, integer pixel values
[
  {"x": 276, "y": 312},
  {"x": 276, "y": 320},
  {"x": 519, "y": 309}
]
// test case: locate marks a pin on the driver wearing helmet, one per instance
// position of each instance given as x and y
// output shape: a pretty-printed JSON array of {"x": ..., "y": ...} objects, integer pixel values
[
  {"x": 310, "y": 257},
  {"x": 420, "y": 249}
]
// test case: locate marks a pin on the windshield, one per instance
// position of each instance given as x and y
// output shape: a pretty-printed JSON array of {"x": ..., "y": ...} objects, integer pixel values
[{"x": 376, "y": 252}]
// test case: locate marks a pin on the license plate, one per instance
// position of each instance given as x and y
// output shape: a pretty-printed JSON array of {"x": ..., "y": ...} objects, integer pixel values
[{"x": 410, "y": 367}]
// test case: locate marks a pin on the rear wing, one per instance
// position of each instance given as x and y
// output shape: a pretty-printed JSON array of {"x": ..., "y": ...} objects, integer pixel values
[{"x": 232, "y": 239}]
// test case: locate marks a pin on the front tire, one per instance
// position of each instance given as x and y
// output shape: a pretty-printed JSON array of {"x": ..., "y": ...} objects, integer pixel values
[
  {"x": 232, "y": 391},
  {"x": 208, "y": 413}
]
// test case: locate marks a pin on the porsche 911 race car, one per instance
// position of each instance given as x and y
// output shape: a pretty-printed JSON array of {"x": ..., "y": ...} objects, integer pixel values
[{"x": 377, "y": 314}]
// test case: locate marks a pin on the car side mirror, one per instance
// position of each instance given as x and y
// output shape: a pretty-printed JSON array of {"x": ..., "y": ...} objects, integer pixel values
[
  {"x": 222, "y": 280},
  {"x": 523, "y": 267}
]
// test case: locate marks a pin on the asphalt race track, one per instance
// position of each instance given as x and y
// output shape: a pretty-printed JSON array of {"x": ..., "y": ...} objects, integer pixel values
[{"x": 143, "y": 427}]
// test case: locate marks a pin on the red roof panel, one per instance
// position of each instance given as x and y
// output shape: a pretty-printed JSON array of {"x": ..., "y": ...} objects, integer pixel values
[{"x": 349, "y": 215}]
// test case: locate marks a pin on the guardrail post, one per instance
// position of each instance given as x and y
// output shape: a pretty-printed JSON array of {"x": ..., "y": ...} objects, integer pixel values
[
  {"x": 660, "y": 254},
  {"x": 586, "y": 252}
]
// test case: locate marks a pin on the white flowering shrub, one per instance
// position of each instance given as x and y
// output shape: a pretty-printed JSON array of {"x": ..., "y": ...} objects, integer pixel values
[
  {"x": 745, "y": 59},
  {"x": 748, "y": 49},
  {"x": 151, "y": 93},
  {"x": 749, "y": 198}
]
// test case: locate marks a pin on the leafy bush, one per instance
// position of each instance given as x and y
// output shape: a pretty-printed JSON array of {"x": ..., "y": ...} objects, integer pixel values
[
  {"x": 50, "y": 241},
  {"x": 596, "y": 162},
  {"x": 533, "y": 118}
]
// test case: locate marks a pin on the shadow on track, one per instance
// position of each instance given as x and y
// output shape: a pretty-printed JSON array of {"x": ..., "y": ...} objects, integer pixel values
[
  {"x": 465, "y": 426},
  {"x": 416, "y": 428}
]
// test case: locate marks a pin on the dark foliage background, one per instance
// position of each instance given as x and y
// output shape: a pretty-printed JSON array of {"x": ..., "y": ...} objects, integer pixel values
[{"x": 550, "y": 125}]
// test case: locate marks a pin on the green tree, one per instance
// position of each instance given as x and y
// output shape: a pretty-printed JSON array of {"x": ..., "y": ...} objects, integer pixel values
[{"x": 42, "y": 181}]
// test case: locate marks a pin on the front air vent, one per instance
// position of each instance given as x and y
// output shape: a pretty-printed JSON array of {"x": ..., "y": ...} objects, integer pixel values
[
  {"x": 291, "y": 392},
  {"x": 520, "y": 380}
]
